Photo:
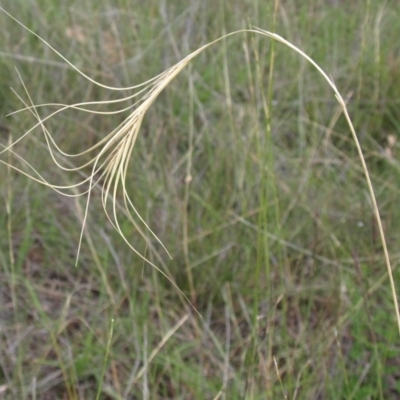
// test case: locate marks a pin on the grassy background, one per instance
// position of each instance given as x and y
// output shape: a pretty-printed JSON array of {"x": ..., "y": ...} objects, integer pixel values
[{"x": 273, "y": 239}]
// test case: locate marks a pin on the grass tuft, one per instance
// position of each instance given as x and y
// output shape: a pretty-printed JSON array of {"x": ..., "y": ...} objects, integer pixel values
[{"x": 279, "y": 264}]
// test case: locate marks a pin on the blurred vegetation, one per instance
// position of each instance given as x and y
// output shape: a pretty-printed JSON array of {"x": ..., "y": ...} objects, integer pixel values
[{"x": 271, "y": 231}]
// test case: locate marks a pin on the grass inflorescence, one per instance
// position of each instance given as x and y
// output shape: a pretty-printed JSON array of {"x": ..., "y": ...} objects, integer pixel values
[{"x": 268, "y": 206}]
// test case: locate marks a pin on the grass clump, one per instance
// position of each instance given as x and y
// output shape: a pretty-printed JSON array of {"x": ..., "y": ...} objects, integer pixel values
[{"x": 256, "y": 193}]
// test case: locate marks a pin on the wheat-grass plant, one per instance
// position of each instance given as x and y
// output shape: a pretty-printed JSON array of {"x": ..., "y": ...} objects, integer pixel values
[
  {"x": 259, "y": 205},
  {"x": 109, "y": 166}
]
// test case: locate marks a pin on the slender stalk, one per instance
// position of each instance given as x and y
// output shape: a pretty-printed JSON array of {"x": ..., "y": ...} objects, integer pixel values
[
  {"x": 185, "y": 211},
  {"x": 103, "y": 371}
]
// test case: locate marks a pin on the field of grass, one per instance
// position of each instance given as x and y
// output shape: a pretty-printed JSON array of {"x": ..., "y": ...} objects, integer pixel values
[{"x": 244, "y": 168}]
